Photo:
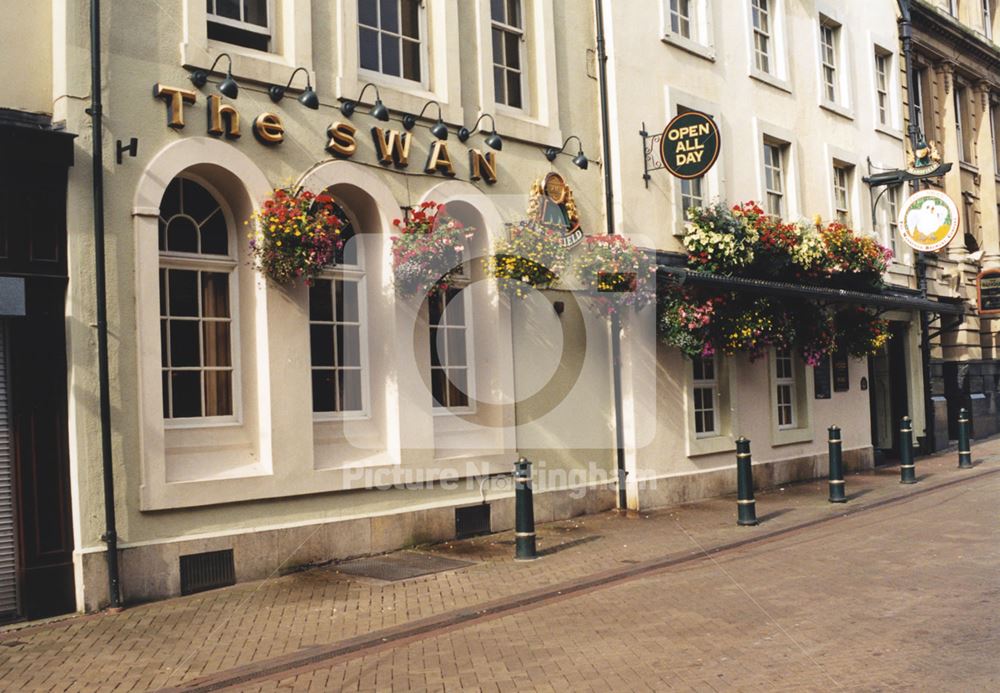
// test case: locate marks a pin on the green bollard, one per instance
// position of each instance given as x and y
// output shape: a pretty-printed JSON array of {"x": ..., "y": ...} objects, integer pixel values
[
  {"x": 836, "y": 467},
  {"x": 745, "y": 503},
  {"x": 964, "y": 449},
  {"x": 907, "y": 470},
  {"x": 524, "y": 513}
]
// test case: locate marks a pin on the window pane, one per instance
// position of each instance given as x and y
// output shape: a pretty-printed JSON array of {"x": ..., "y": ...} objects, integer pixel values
[
  {"x": 368, "y": 40},
  {"x": 411, "y": 18},
  {"x": 389, "y": 15},
  {"x": 215, "y": 294},
  {"x": 514, "y": 89},
  {"x": 230, "y": 9},
  {"x": 348, "y": 346},
  {"x": 499, "y": 85},
  {"x": 183, "y": 292},
  {"x": 435, "y": 307},
  {"x": 321, "y": 341},
  {"x": 256, "y": 12},
  {"x": 456, "y": 307},
  {"x": 368, "y": 12},
  {"x": 513, "y": 52},
  {"x": 198, "y": 202},
  {"x": 321, "y": 301},
  {"x": 215, "y": 235},
  {"x": 322, "y": 391},
  {"x": 218, "y": 393},
  {"x": 497, "y": 10},
  {"x": 347, "y": 301},
  {"x": 216, "y": 344},
  {"x": 439, "y": 387},
  {"x": 514, "y": 12},
  {"x": 411, "y": 60},
  {"x": 457, "y": 388},
  {"x": 186, "y": 391},
  {"x": 166, "y": 394},
  {"x": 437, "y": 347},
  {"x": 185, "y": 344},
  {"x": 456, "y": 347},
  {"x": 163, "y": 343},
  {"x": 171, "y": 202},
  {"x": 350, "y": 390},
  {"x": 182, "y": 235},
  {"x": 708, "y": 421},
  {"x": 390, "y": 55},
  {"x": 163, "y": 292}
]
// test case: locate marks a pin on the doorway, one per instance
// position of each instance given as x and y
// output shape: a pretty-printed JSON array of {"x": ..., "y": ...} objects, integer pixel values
[{"x": 889, "y": 393}]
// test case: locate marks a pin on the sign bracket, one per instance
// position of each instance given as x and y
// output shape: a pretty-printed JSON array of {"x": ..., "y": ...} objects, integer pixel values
[{"x": 650, "y": 149}]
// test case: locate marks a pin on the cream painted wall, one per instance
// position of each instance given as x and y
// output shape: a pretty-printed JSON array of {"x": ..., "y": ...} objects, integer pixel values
[
  {"x": 135, "y": 60},
  {"x": 26, "y": 69}
]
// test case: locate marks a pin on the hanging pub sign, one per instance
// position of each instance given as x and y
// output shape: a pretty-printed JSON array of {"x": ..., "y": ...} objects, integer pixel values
[
  {"x": 928, "y": 220},
  {"x": 988, "y": 292},
  {"x": 551, "y": 203},
  {"x": 690, "y": 145}
]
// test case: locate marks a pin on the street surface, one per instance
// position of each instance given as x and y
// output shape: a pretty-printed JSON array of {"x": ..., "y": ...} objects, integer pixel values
[{"x": 899, "y": 589}]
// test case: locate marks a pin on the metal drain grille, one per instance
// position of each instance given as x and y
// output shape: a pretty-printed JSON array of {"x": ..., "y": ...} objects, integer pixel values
[
  {"x": 399, "y": 566},
  {"x": 207, "y": 571}
]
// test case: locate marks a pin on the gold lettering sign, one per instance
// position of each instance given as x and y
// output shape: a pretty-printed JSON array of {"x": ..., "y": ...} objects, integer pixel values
[
  {"x": 483, "y": 166},
  {"x": 392, "y": 147},
  {"x": 268, "y": 129},
  {"x": 439, "y": 160},
  {"x": 175, "y": 98},
  {"x": 341, "y": 140},
  {"x": 223, "y": 119}
]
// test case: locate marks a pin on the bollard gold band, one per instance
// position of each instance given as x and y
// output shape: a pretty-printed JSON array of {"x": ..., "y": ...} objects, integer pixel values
[
  {"x": 835, "y": 440},
  {"x": 963, "y": 421},
  {"x": 837, "y": 481},
  {"x": 524, "y": 534},
  {"x": 745, "y": 502},
  {"x": 743, "y": 454},
  {"x": 907, "y": 466}
]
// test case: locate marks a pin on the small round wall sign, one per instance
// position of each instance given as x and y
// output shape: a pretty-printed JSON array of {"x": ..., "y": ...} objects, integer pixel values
[
  {"x": 690, "y": 145},
  {"x": 928, "y": 220}
]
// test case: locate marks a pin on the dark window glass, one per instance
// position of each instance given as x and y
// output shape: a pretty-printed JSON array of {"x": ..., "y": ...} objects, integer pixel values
[
  {"x": 182, "y": 293},
  {"x": 321, "y": 337},
  {"x": 216, "y": 345},
  {"x": 349, "y": 346},
  {"x": 321, "y": 301},
  {"x": 369, "y": 49},
  {"x": 256, "y": 12},
  {"x": 347, "y": 301},
  {"x": 323, "y": 388},
  {"x": 184, "y": 343},
  {"x": 182, "y": 235},
  {"x": 411, "y": 60},
  {"x": 514, "y": 89},
  {"x": 218, "y": 393},
  {"x": 186, "y": 388},
  {"x": 350, "y": 391},
  {"x": 389, "y": 15},
  {"x": 411, "y": 18},
  {"x": 230, "y": 9},
  {"x": 390, "y": 55},
  {"x": 215, "y": 295},
  {"x": 368, "y": 12},
  {"x": 198, "y": 203},
  {"x": 215, "y": 235},
  {"x": 238, "y": 37}
]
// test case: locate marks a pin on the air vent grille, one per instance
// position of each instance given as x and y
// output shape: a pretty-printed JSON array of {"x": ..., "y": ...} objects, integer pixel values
[
  {"x": 207, "y": 571},
  {"x": 472, "y": 521}
]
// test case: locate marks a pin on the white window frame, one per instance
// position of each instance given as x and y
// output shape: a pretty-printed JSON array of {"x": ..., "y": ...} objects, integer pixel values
[
  {"x": 987, "y": 17},
  {"x": 802, "y": 389},
  {"x": 380, "y": 77},
  {"x": 891, "y": 238},
  {"x": 959, "y": 95},
  {"x": 522, "y": 42},
  {"x": 462, "y": 285},
  {"x": 710, "y": 386},
  {"x": 197, "y": 262},
  {"x": 700, "y": 40},
  {"x": 953, "y": 8},
  {"x": 993, "y": 115},
  {"x": 843, "y": 175},
  {"x": 784, "y": 381},
  {"x": 883, "y": 108},
  {"x": 245, "y": 25},
  {"x": 357, "y": 273},
  {"x": 773, "y": 156},
  {"x": 762, "y": 22},
  {"x": 724, "y": 439},
  {"x": 829, "y": 38}
]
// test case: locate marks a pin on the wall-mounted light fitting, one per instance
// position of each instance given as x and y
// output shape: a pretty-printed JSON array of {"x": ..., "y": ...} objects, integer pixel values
[
  {"x": 493, "y": 140},
  {"x": 438, "y": 129},
  {"x": 378, "y": 111},
  {"x": 580, "y": 160},
  {"x": 228, "y": 86},
  {"x": 307, "y": 98}
]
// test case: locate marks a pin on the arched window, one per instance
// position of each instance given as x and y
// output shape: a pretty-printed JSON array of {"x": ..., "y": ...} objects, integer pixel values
[
  {"x": 337, "y": 331},
  {"x": 197, "y": 274}
]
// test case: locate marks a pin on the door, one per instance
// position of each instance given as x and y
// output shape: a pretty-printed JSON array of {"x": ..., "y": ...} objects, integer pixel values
[
  {"x": 889, "y": 392},
  {"x": 8, "y": 518}
]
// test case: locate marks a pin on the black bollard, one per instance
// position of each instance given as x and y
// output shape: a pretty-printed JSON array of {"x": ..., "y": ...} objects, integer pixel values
[
  {"x": 907, "y": 470},
  {"x": 964, "y": 449},
  {"x": 524, "y": 513},
  {"x": 836, "y": 467},
  {"x": 745, "y": 503}
]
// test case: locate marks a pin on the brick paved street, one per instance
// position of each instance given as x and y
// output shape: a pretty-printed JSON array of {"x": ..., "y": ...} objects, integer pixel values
[{"x": 900, "y": 594}]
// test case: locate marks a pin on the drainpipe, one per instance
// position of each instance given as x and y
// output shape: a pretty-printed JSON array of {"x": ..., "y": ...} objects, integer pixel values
[
  {"x": 916, "y": 142},
  {"x": 616, "y": 342},
  {"x": 110, "y": 535}
]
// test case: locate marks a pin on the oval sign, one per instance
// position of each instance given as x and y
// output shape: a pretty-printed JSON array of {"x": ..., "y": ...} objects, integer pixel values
[
  {"x": 690, "y": 145},
  {"x": 928, "y": 220}
]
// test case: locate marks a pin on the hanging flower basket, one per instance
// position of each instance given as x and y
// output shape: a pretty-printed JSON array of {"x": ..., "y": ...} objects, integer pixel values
[
  {"x": 297, "y": 236},
  {"x": 616, "y": 273},
  {"x": 532, "y": 257},
  {"x": 428, "y": 253}
]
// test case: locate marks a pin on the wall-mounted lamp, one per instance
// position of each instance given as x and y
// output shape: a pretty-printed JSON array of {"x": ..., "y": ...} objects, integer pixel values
[
  {"x": 493, "y": 141},
  {"x": 580, "y": 160},
  {"x": 228, "y": 86},
  {"x": 307, "y": 98},
  {"x": 378, "y": 111},
  {"x": 438, "y": 129}
]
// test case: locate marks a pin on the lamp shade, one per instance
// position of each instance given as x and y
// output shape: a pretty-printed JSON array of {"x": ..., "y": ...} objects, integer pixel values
[{"x": 309, "y": 99}]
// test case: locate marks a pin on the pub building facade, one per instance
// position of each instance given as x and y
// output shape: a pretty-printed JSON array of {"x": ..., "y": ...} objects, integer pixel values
[{"x": 258, "y": 427}]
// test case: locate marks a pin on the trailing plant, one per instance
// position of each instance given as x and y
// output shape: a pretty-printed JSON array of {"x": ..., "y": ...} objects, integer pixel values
[
  {"x": 428, "y": 253},
  {"x": 532, "y": 256},
  {"x": 616, "y": 273},
  {"x": 297, "y": 235},
  {"x": 860, "y": 332}
]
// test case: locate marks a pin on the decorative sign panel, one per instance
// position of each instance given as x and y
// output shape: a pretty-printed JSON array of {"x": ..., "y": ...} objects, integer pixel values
[
  {"x": 928, "y": 220},
  {"x": 690, "y": 145},
  {"x": 988, "y": 291}
]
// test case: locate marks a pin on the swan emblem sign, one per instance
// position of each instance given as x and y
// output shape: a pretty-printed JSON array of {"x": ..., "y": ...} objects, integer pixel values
[{"x": 928, "y": 220}]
